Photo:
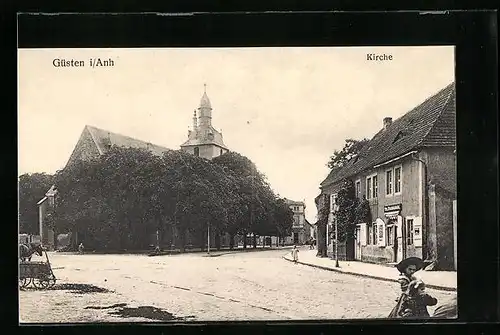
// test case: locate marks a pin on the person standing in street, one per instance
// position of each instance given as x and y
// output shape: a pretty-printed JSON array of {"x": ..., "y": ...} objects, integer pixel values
[
  {"x": 80, "y": 248},
  {"x": 295, "y": 254}
]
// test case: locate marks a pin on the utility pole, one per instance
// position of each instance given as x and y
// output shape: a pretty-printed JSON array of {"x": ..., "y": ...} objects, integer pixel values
[
  {"x": 208, "y": 239},
  {"x": 157, "y": 240}
]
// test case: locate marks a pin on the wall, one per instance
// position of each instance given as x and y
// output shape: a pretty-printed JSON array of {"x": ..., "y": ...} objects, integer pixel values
[
  {"x": 441, "y": 169},
  {"x": 444, "y": 229},
  {"x": 85, "y": 149},
  {"x": 376, "y": 254},
  {"x": 410, "y": 199}
]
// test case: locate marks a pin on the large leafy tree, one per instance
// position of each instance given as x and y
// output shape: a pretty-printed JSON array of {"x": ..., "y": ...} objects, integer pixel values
[
  {"x": 350, "y": 150},
  {"x": 323, "y": 203},
  {"x": 252, "y": 210},
  {"x": 346, "y": 215},
  {"x": 121, "y": 198},
  {"x": 32, "y": 188}
]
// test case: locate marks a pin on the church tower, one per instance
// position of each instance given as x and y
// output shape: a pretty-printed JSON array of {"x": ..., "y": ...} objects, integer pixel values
[{"x": 204, "y": 140}]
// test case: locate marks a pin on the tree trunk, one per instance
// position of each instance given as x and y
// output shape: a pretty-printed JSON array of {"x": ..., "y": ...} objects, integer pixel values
[
  {"x": 254, "y": 241},
  {"x": 218, "y": 240},
  {"x": 231, "y": 241},
  {"x": 244, "y": 240},
  {"x": 182, "y": 240},
  {"x": 203, "y": 236}
]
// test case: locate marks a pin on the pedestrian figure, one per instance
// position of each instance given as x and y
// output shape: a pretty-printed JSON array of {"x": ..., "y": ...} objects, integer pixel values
[
  {"x": 80, "y": 248},
  {"x": 407, "y": 267},
  {"x": 295, "y": 254},
  {"x": 415, "y": 306}
]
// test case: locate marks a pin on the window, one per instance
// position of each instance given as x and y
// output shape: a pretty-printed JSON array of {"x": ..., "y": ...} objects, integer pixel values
[
  {"x": 393, "y": 181},
  {"x": 358, "y": 188},
  {"x": 196, "y": 151},
  {"x": 388, "y": 182},
  {"x": 221, "y": 152},
  {"x": 409, "y": 232},
  {"x": 371, "y": 187},
  {"x": 333, "y": 202},
  {"x": 370, "y": 234},
  {"x": 397, "y": 180},
  {"x": 368, "y": 188}
]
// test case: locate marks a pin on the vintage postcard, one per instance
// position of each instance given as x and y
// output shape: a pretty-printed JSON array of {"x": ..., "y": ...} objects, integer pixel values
[{"x": 237, "y": 184}]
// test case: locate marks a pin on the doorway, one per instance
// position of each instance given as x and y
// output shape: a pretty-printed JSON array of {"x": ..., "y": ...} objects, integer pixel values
[{"x": 357, "y": 248}]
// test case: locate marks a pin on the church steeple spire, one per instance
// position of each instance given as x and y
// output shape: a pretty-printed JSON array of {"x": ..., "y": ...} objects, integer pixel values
[{"x": 205, "y": 116}]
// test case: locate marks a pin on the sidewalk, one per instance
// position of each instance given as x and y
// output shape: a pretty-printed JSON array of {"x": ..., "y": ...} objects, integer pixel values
[
  {"x": 439, "y": 280},
  {"x": 216, "y": 253}
]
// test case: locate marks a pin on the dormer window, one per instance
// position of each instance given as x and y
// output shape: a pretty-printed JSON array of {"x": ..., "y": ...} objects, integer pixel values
[
  {"x": 197, "y": 151},
  {"x": 399, "y": 136}
]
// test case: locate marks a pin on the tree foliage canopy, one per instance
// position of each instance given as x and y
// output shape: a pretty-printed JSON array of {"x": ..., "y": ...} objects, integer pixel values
[
  {"x": 350, "y": 150},
  {"x": 32, "y": 188},
  {"x": 121, "y": 198}
]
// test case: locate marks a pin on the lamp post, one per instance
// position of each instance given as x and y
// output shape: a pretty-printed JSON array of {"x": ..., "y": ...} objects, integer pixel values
[
  {"x": 208, "y": 239},
  {"x": 157, "y": 240}
]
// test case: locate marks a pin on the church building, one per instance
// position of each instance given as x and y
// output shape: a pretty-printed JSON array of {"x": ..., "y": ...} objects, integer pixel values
[{"x": 204, "y": 140}]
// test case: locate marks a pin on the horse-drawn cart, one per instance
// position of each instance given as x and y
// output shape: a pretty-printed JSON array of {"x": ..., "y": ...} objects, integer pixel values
[{"x": 39, "y": 274}]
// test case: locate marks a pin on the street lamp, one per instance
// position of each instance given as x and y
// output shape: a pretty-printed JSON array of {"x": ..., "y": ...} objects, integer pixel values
[{"x": 208, "y": 239}]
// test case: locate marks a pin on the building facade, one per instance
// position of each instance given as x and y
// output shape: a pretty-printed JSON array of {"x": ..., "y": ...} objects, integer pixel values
[
  {"x": 203, "y": 139},
  {"x": 301, "y": 228},
  {"x": 407, "y": 174}
]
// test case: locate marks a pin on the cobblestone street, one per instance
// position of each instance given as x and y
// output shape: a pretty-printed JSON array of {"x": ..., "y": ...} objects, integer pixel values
[{"x": 239, "y": 286}]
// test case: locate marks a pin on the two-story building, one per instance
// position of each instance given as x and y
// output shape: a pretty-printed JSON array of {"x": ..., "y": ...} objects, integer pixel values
[
  {"x": 301, "y": 228},
  {"x": 407, "y": 173}
]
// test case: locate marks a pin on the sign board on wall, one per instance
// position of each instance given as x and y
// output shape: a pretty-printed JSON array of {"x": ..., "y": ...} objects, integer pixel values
[
  {"x": 380, "y": 233},
  {"x": 392, "y": 211},
  {"x": 392, "y": 208},
  {"x": 417, "y": 231}
]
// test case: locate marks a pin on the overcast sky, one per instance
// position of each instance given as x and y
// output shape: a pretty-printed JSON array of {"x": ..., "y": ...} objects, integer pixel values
[{"x": 287, "y": 109}]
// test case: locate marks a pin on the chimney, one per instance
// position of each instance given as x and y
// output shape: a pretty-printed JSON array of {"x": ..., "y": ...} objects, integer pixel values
[{"x": 387, "y": 122}]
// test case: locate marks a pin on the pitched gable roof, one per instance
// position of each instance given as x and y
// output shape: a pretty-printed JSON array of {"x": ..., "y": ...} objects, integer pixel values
[
  {"x": 105, "y": 139},
  {"x": 432, "y": 123}
]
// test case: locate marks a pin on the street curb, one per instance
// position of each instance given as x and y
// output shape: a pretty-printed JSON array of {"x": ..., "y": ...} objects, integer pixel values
[
  {"x": 222, "y": 253},
  {"x": 435, "y": 287}
]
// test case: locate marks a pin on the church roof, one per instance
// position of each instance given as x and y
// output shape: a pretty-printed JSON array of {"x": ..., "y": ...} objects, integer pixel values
[
  {"x": 217, "y": 140},
  {"x": 293, "y": 202},
  {"x": 104, "y": 139},
  {"x": 430, "y": 124}
]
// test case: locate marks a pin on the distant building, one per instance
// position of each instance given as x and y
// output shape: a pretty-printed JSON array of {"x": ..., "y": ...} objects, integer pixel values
[
  {"x": 407, "y": 173},
  {"x": 203, "y": 139},
  {"x": 301, "y": 228}
]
